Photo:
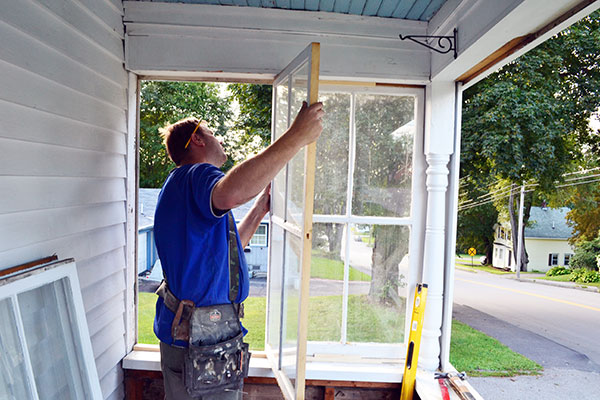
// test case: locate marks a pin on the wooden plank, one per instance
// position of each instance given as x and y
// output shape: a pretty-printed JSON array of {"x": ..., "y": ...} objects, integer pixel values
[
  {"x": 30, "y": 124},
  {"x": 86, "y": 22},
  {"x": 104, "y": 339},
  {"x": 100, "y": 267},
  {"x": 19, "y": 158},
  {"x": 309, "y": 194},
  {"x": 109, "y": 11},
  {"x": 80, "y": 246},
  {"x": 28, "y": 265},
  {"x": 95, "y": 295},
  {"x": 102, "y": 316},
  {"x": 329, "y": 393},
  {"x": 110, "y": 358},
  {"x": 22, "y": 193},
  {"x": 26, "y": 88},
  {"x": 54, "y": 65},
  {"x": 38, "y": 22},
  {"x": 26, "y": 228}
]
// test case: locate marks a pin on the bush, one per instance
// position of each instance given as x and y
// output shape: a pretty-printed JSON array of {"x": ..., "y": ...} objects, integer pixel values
[
  {"x": 583, "y": 275},
  {"x": 558, "y": 270},
  {"x": 586, "y": 255}
]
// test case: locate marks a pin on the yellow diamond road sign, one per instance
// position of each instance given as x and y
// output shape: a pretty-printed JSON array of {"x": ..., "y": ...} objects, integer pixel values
[{"x": 472, "y": 251}]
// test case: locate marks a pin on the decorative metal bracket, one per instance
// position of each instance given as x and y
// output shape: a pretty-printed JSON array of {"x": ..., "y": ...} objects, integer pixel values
[{"x": 445, "y": 44}]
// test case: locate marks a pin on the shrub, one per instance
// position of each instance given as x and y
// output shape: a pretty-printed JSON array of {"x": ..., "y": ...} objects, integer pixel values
[
  {"x": 558, "y": 270},
  {"x": 583, "y": 275},
  {"x": 585, "y": 255}
]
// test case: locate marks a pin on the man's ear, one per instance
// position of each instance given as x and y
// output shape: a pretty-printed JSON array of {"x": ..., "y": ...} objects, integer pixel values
[{"x": 198, "y": 140}]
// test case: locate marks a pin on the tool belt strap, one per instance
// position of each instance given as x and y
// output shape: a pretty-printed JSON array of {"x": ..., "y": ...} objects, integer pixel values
[{"x": 183, "y": 309}]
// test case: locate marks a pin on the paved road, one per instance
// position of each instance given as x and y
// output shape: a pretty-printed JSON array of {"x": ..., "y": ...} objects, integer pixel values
[
  {"x": 569, "y": 317},
  {"x": 556, "y": 327}
]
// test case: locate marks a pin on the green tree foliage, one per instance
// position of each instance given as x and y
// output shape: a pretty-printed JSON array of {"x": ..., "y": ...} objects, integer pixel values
[
  {"x": 584, "y": 216},
  {"x": 587, "y": 255},
  {"x": 530, "y": 120},
  {"x": 165, "y": 102},
  {"x": 254, "y": 118}
]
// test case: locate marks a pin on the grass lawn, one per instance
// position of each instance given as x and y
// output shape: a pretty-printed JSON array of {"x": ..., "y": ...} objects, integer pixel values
[
  {"x": 325, "y": 268},
  {"x": 464, "y": 262},
  {"x": 480, "y": 355},
  {"x": 471, "y": 350},
  {"x": 565, "y": 278}
]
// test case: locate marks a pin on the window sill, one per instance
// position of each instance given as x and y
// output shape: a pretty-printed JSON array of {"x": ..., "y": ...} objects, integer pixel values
[{"x": 148, "y": 359}]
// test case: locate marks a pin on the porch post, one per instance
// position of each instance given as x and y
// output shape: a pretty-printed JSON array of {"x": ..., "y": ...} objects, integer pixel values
[{"x": 439, "y": 143}]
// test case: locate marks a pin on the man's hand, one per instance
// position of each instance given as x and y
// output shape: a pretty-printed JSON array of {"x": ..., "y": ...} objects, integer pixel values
[
  {"x": 251, "y": 221},
  {"x": 308, "y": 124}
]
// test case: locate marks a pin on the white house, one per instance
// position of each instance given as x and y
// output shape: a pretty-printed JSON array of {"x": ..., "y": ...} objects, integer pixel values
[
  {"x": 69, "y": 78},
  {"x": 545, "y": 241}
]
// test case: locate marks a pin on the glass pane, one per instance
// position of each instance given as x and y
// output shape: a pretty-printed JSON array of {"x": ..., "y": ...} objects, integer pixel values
[
  {"x": 275, "y": 288},
  {"x": 385, "y": 130},
  {"x": 53, "y": 342},
  {"x": 281, "y": 125},
  {"x": 326, "y": 285},
  {"x": 295, "y": 198},
  {"x": 291, "y": 302},
  {"x": 331, "y": 178},
  {"x": 13, "y": 384},
  {"x": 380, "y": 252}
]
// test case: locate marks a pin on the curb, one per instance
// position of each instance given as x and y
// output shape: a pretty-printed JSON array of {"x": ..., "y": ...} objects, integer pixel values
[{"x": 558, "y": 284}]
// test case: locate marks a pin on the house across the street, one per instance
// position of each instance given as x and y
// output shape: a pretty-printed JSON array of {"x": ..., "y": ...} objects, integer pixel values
[
  {"x": 148, "y": 263},
  {"x": 545, "y": 241}
]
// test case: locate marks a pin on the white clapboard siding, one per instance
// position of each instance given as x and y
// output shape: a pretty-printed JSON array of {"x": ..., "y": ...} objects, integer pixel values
[
  {"x": 22, "y": 193},
  {"x": 31, "y": 124},
  {"x": 21, "y": 158},
  {"x": 23, "y": 87},
  {"x": 37, "y": 21},
  {"x": 71, "y": 74},
  {"x": 63, "y": 152}
]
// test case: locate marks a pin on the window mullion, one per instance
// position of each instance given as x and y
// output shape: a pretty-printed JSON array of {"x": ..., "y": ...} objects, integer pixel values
[
  {"x": 25, "y": 351},
  {"x": 348, "y": 236}
]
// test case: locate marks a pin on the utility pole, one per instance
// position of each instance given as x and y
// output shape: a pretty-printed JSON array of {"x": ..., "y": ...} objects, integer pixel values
[{"x": 520, "y": 239}]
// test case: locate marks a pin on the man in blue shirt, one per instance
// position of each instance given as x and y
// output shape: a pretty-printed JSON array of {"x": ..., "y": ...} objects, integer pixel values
[{"x": 191, "y": 232}]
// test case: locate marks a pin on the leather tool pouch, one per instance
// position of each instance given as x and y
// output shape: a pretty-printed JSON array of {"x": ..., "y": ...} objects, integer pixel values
[{"x": 217, "y": 358}]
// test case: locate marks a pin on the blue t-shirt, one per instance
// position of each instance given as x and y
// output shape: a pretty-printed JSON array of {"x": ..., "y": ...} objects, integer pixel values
[{"x": 192, "y": 244}]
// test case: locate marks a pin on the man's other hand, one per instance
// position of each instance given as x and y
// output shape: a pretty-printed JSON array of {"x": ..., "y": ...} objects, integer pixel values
[
  {"x": 308, "y": 124},
  {"x": 263, "y": 201}
]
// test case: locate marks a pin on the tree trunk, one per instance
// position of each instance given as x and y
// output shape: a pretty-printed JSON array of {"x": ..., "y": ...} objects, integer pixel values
[{"x": 388, "y": 250}]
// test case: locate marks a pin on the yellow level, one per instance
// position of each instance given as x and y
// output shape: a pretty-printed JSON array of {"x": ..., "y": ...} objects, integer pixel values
[{"x": 414, "y": 343}]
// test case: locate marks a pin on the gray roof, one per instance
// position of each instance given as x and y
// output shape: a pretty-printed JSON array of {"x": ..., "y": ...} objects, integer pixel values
[
  {"x": 147, "y": 205},
  {"x": 550, "y": 223}
]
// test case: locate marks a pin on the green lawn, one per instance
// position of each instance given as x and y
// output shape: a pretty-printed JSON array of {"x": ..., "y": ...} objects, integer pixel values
[
  {"x": 471, "y": 350},
  {"x": 565, "y": 278},
  {"x": 480, "y": 355},
  {"x": 325, "y": 268},
  {"x": 464, "y": 262}
]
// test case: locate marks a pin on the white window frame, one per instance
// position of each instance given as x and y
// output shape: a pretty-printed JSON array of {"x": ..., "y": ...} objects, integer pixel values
[
  {"x": 396, "y": 351},
  {"x": 567, "y": 259},
  {"x": 553, "y": 259},
  {"x": 15, "y": 284},
  {"x": 260, "y": 239}
]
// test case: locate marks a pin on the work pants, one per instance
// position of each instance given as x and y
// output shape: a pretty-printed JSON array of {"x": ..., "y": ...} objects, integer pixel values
[{"x": 171, "y": 364}]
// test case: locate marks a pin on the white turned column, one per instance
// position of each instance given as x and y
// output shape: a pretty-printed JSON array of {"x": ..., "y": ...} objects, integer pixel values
[
  {"x": 433, "y": 259},
  {"x": 439, "y": 144}
]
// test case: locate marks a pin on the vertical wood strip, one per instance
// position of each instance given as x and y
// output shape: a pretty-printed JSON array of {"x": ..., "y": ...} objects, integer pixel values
[{"x": 309, "y": 194}]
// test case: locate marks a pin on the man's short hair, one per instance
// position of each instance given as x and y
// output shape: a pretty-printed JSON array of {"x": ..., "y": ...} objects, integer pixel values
[{"x": 177, "y": 135}]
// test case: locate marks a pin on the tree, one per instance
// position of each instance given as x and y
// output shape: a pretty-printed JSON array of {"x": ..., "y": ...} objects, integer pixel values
[
  {"x": 165, "y": 102},
  {"x": 584, "y": 216},
  {"x": 529, "y": 122}
]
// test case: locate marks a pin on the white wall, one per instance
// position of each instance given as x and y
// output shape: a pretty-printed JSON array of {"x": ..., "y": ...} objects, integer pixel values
[
  {"x": 538, "y": 250},
  {"x": 63, "y": 125}
]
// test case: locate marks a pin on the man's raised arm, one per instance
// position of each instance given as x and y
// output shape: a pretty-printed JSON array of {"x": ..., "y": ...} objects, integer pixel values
[{"x": 246, "y": 180}]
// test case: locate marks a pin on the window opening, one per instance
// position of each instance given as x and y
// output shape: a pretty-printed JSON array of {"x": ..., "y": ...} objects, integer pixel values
[
  {"x": 552, "y": 259},
  {"x": 568, "y": 259}
]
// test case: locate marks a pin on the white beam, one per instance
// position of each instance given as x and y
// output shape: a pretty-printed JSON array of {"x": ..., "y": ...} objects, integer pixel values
[
  {"x": 191, "y": 38},
  {"x": 486, "y": 26}
]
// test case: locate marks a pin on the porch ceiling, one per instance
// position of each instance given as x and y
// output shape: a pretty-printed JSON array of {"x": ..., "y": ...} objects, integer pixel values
[{"x": 416, "y": 10}]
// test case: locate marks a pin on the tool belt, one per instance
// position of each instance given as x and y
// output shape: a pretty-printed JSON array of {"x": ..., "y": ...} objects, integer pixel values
[{"x": 217, "y": 357}]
